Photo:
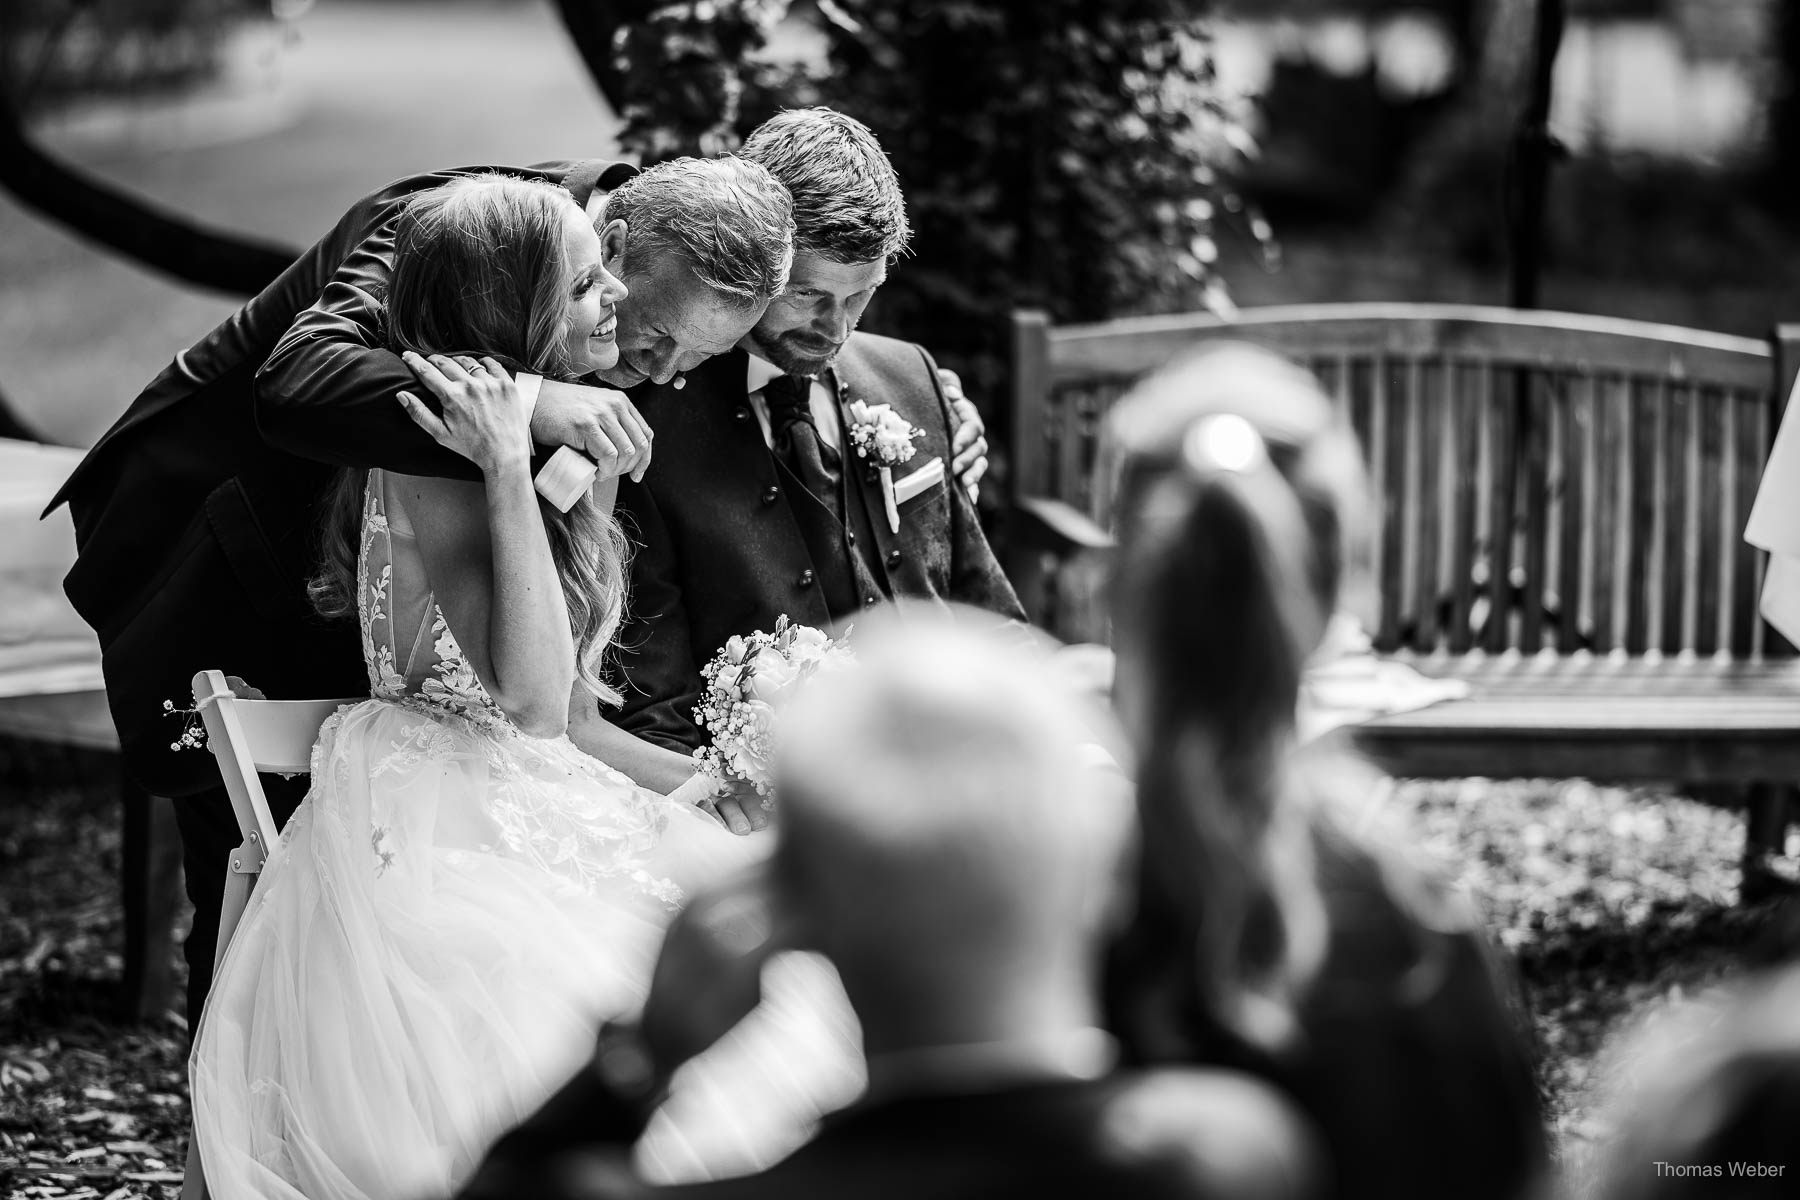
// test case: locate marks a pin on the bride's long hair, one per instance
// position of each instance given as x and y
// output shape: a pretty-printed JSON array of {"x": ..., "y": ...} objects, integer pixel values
[{"x": 481, "y": 268}]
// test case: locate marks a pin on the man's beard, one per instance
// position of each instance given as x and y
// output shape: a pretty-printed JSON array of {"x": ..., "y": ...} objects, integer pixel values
[{"x": 781, "y": 351}]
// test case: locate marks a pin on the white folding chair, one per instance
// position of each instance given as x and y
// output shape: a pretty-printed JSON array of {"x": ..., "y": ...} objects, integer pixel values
[{"x": 248, "y": 736}]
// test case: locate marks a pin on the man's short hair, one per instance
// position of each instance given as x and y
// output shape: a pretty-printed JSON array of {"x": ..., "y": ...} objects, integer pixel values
[
  {"x": 847, "y": 201},
  {"x": 728, "y": 218}
]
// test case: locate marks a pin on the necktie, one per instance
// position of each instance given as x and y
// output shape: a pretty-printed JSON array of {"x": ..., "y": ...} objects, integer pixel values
[{"x": 796, "y": 442}]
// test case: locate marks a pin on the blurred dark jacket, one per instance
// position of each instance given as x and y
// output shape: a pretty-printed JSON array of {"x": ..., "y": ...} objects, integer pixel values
[
  {"x": 197, "y": 514},
  {"x": 1167, "y": 1135},
  {"x": 1412, "y": 1057}
]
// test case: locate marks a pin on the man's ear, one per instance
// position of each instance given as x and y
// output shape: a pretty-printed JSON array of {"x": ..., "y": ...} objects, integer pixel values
[{"x": 612, "y": 246}]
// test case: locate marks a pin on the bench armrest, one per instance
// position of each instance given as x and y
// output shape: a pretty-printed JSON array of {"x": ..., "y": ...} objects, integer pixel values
[{"x": 1058, "y": 527}]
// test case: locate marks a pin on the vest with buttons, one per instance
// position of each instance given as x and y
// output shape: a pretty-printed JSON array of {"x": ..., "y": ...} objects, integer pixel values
[{"x": 842, "y": 551}]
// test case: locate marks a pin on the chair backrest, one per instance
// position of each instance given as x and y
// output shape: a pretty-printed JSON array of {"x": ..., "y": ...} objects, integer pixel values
[
  {"x": 1546, "y": 480},
  {"x": 248, "y": 736}
]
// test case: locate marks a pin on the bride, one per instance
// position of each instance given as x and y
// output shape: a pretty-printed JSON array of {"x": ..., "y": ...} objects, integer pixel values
[{"x": 463, "y": 895}]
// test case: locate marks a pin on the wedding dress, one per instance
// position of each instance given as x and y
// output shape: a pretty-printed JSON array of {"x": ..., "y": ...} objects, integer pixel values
[{"x": 443, "y": 923}]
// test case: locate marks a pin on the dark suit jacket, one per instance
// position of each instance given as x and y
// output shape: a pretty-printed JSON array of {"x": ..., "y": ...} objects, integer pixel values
[
  {"x": 196, "y": 514},
  {"x": 1149, "y": 1137},
  {"x": 719, "y": 552}
]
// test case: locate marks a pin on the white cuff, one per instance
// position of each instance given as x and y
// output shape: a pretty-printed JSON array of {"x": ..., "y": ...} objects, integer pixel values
[{"x": 529, "y": 386}]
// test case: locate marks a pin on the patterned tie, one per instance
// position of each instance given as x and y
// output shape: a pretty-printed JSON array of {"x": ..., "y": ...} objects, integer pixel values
[{"x": 796, "y": 442}]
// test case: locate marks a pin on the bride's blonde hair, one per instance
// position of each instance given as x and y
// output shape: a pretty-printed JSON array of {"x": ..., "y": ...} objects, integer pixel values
[{"x": 481, "y": 267}]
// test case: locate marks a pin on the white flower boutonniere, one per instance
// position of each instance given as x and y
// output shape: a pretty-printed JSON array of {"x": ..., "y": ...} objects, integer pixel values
[{"x": 885, "y": 438}]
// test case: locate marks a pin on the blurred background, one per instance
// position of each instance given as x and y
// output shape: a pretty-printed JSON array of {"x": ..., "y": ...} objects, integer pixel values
[
  {"x": 1094, "y": 159},
  {"x": 160, "y": 159}
]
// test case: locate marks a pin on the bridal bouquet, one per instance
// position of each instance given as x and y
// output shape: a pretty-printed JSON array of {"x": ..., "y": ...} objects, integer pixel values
[{"x": 745, "y": 683}]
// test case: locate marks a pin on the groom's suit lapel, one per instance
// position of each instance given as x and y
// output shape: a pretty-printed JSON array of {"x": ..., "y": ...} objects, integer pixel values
[
  {"x": 902, "y": 556},
  {"x": 853, "y": 382}
]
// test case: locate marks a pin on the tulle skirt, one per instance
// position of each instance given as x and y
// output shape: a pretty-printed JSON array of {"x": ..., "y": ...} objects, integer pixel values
[{"x": 443, "y": 923}]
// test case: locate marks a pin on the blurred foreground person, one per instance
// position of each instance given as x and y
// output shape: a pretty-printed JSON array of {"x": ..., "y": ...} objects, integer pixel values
[
  {"x": 943, "y": 843},
  {"x": 1269, "y": 936},
  {"x": 1712, "y": 1101}
]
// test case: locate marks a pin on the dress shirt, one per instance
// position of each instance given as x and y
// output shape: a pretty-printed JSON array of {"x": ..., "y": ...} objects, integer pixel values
[{"x": 824, "y": 403}]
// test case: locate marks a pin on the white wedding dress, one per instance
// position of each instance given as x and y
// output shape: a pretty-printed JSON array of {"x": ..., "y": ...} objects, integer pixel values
[{"x": 444, "y": 921}]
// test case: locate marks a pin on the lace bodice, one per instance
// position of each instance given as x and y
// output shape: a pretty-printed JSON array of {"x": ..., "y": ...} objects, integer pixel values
[
  {"x": 407, "y": 645},
  {"x": 554, "y": 806}
]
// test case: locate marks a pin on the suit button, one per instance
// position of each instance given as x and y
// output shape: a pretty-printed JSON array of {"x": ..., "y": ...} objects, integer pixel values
[
  {"x": 741, "y": 413},
  {"x": 806, "y": 578},
  {"x": 771, "y": 494},
  {"x": 871, "y": 601},
  {"x": 893, "y": 558}
]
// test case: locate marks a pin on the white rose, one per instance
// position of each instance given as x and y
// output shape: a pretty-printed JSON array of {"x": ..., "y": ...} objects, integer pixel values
[{"x": 773, "y": 674}]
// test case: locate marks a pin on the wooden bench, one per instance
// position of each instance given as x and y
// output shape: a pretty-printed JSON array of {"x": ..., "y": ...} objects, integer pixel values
[{"x": 1563, "y": 499}]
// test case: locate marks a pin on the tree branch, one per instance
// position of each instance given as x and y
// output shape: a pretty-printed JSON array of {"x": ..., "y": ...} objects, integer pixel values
[
  {"x": 134, "y": 228},
  {"x": 592, "y": 25}
]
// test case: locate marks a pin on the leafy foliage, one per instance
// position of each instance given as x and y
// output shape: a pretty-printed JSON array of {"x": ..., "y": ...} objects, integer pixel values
[
  {"x": 52, "y": 50},
  {"x": 1065, "y": 154}
]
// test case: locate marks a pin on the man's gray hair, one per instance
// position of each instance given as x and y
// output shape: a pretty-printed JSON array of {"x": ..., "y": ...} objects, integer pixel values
[
  {"x": 730, "y": 220},
  {"x": 847, "y": 201}
]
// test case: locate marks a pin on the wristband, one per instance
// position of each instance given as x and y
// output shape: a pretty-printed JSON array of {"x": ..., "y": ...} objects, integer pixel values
[
  {"x": 566, "y": 478},
  {"x": 528, "y": 387}
]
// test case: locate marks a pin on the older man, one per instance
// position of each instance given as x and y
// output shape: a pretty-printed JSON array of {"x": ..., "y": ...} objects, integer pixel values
[
  {"x": 196, "y": 514},
  {"x": 759, "y": 503},
  {"x": 946, "y": 844}
]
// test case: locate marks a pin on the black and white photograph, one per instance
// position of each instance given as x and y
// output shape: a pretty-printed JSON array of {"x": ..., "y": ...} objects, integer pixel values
[{"x": 859, "y": 599}]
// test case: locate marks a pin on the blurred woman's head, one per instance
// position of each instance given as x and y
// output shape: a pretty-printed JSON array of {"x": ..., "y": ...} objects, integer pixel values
[
  {"x": 507, "y": 268},
  {"x": 1241, "y": 508}
]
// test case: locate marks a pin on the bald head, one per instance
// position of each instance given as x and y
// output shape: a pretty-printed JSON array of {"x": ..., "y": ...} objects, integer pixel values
[{"x": 937, "y": 806}]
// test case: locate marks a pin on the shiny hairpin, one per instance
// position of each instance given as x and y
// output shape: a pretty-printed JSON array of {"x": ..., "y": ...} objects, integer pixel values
[{"x": 1225, "y": 442}]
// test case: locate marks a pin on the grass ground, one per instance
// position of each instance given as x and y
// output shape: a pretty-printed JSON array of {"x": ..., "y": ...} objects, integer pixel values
[{"x": 1618, "y": 907}]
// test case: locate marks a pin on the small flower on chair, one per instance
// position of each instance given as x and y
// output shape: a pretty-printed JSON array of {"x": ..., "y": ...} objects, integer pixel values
[{"x": 193, "y": 728}]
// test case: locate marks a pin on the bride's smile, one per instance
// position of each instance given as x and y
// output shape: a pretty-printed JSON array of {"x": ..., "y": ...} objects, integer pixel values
[{"x": 592, "y": 316}]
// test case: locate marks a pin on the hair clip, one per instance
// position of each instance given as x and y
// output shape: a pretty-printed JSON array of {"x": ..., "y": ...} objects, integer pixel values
[
  {"x": 1225, "y": 442},
  {"x": 679, "y": 382}
]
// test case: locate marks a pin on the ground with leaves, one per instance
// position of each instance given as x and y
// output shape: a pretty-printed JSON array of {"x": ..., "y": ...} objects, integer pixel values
[{"x": 1619, "y": 906}]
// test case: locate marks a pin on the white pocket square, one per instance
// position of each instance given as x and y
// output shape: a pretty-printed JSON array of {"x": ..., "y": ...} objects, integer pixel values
[{"x": 921, "y": 480}]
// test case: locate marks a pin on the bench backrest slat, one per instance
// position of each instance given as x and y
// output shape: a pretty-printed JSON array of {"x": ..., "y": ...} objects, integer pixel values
[{"x": 1547, "y": 480}]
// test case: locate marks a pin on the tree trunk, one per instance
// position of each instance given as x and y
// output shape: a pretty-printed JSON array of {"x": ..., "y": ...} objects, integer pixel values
[
  {"x": 1477, "y": 129},
  {"x": 1781, "y": 174},
  {"x": 592, "y": 25},
  {"x": 138, "y": 230},
  {"x": 13, "y": 426}
]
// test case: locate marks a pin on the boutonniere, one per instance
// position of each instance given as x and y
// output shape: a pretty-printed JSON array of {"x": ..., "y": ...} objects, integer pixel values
[{"x": 885, "y": 438}]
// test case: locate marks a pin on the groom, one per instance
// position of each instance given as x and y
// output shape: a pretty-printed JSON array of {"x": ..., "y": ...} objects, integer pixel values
[{"x": 758, "y": 504}]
